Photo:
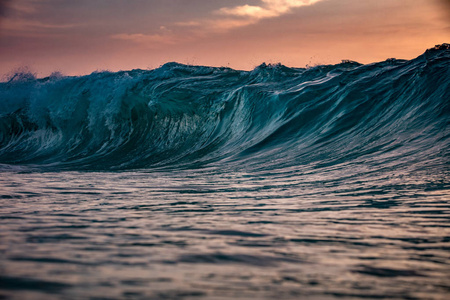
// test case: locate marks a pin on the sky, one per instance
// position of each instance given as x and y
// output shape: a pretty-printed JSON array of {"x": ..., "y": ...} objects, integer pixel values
[{"x": 77, "y": 37}]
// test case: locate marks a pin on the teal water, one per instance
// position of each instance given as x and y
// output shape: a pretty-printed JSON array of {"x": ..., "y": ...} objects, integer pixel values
[{"x": 188, "y": 182}]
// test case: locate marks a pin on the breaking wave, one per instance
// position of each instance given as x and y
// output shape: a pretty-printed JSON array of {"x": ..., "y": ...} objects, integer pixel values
[{"x": 388, "y": 114}]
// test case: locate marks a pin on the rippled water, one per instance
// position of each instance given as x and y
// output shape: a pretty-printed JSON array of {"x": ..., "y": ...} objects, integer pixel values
[
  {"x": 184, "y": 234},
  {"x": 187, "y": 182}
]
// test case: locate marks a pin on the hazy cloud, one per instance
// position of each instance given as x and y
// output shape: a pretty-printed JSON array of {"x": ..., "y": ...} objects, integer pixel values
[
  {"x": 224, "y": 19},
  {"x": 163, "y": 37},
  {"x": 19, "y": 8},
  {"x": 21, "y": 25},
  {"x": 147, "y": 39},
  {"x": 238, "y": 16},
  {"x": 268, "y": 8}
]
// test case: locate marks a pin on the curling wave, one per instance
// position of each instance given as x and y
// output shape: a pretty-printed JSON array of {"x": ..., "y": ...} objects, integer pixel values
[{"x": 389, "y": 113}]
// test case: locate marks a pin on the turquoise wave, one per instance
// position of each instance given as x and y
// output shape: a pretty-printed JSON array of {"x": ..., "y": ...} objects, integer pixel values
[{"x": 390, "y": 113}]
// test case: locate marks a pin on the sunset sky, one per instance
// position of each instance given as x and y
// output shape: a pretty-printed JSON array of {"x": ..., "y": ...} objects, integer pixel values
[{"x": 82, "y": 36}]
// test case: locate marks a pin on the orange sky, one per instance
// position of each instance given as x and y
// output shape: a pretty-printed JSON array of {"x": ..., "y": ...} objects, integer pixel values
[{"x": 78, "y": 37}]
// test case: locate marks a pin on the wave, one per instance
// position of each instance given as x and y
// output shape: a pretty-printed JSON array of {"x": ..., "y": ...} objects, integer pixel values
[{"x": 179, "y": 116}]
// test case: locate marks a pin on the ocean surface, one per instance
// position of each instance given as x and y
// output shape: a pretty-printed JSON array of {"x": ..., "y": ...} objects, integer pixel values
[{"x": 190, "y": 182}]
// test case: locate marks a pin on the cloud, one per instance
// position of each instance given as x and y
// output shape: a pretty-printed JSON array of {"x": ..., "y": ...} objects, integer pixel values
[
  {"x": 268, "y": 9},
  {"x": 24, "y": 8},
  {"x": 25, "y": 19},
  {"x": 238, "y": 16},
  {"x": 225, "y": 19},
  {"x": 228, "y": 24},
  {"x": 149, "y": 40},
  {"x": 189, "y": 24},
  {"x": 34, "y": 25},
  {"x": 164, "y": 36},
  {"x": 27, "y": 28},
  {"x": 249, "y": 11}
]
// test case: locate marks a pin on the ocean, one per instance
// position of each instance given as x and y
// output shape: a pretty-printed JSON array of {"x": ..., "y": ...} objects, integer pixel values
[{"x": 192, "y": 182}]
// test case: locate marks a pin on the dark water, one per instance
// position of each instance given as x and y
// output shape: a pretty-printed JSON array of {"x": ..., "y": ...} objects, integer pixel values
[{"x": 187, "y": 182}]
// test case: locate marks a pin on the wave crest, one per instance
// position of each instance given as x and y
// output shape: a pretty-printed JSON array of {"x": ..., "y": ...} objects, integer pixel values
[{"x": 179, "y": 116}]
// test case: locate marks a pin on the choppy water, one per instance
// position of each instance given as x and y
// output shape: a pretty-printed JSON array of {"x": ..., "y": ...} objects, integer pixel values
[{"x": 209, "y": 183}]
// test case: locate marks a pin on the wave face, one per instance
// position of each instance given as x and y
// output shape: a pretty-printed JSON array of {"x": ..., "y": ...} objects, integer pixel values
[
  {"x": 185, "y": 182},
  {"x": 388, "y": 114}
]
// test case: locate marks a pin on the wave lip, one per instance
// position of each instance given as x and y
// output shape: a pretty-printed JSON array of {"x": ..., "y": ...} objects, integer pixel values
[{"x": 193, "y": 116}]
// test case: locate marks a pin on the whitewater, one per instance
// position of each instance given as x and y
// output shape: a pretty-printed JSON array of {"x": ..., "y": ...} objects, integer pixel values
[{"x": 192, "y": 182}]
